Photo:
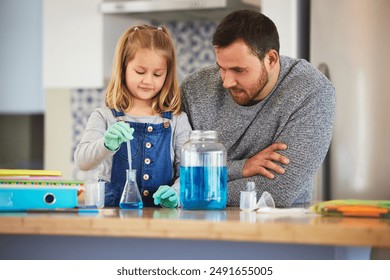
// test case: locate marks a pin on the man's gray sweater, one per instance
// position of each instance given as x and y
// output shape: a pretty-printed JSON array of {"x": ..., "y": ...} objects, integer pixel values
[{"x": 299, "y": 112}]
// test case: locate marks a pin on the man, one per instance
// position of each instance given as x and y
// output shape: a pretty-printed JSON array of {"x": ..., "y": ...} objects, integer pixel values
[{"x": 274, "y": 114}]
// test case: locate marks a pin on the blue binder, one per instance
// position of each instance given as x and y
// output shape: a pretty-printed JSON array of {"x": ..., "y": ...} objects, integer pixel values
[{"x": 25, "y": 198}]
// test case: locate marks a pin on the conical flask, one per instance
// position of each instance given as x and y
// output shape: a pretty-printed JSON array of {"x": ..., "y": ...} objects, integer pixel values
[{"x": 131, "y": 197}]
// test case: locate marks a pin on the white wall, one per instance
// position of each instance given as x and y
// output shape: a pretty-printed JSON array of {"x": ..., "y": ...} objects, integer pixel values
[{"x": 284, "y": 14}]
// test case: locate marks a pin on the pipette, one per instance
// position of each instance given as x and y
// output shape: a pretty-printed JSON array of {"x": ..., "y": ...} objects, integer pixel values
[{"x": 129, "y": 153}]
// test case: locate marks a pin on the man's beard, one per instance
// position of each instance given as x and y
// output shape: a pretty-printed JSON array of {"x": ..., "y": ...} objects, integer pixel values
[{"x": 251, "y": 97}]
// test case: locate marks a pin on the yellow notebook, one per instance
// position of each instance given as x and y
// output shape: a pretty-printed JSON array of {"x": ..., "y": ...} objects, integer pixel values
[{"x": 29, "y": 172}]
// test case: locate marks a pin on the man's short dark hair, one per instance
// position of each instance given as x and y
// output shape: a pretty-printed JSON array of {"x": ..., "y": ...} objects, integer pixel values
[{"x": 256, "y": 30}]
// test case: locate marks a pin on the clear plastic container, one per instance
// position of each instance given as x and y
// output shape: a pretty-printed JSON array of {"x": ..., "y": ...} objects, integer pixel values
[
  {"x": 94, "y": 194},
  {"x": 203, "y": 172}
]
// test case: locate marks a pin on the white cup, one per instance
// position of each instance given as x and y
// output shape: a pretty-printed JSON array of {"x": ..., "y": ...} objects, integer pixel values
[{"x": 94, "y": 194}]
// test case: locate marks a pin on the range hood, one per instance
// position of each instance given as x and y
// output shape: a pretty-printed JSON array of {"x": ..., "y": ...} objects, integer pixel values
[{"x": 177, "y": 9}]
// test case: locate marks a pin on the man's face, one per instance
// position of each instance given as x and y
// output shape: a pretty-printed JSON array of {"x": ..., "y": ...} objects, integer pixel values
[{"x": 242, "y": 73}]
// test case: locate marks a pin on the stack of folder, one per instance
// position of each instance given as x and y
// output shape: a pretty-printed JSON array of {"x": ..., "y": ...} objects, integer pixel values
[
  {"x": 24, "y": 189},
  {"x": 354, "y": 208}
]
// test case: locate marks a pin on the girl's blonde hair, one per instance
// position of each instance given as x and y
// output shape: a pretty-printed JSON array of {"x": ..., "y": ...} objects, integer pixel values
[{"x": 118, "y": 96}]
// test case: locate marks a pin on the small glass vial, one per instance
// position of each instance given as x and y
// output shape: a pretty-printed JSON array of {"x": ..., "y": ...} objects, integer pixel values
[
  {"x": 203, "y": 172},
  {"x": 248, "y": 199},
  {"x": 131, "y": 197}
]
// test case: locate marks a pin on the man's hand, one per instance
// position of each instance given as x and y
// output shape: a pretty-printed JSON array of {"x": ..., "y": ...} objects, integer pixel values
[{"x": 266, "y": 161}]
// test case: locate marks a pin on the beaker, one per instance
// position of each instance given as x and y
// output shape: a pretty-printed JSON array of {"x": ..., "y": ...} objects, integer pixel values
[
  {"x": 131, "y": 197},
  {"x": 94, "y": 194}
]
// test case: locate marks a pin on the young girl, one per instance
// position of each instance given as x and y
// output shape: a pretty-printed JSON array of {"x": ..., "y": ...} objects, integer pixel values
[{"x": 143, "y": 105}]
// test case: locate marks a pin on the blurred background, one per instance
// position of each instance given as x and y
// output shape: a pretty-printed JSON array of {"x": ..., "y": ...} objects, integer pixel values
[{"x": 56, "y": 58}]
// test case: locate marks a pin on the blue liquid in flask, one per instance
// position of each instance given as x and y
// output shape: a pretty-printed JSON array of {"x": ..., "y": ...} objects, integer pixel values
[
  {"x": 131, "y": 205},
  {"x": 131, "y": 197},
  {"x": 203, "y": 187}
]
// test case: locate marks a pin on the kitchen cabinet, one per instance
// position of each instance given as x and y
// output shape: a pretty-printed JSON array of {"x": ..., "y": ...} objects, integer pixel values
[
  {"x": 72, "y": 44},
  {"x": 21, "y": 90}
]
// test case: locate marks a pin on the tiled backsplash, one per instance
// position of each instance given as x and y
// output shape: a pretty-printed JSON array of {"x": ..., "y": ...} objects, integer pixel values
[
  {"x": 193, "y": 44},
  {"x": 194, "y": 50}
]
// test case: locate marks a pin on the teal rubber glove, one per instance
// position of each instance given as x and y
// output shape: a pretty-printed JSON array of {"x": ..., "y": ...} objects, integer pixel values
[
  {"x": 166, "y": 196},
  {"x": 116, "y": 134}
]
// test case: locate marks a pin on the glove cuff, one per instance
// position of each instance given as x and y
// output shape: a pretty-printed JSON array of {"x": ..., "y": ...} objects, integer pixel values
[{"x": 109, "y": 148}]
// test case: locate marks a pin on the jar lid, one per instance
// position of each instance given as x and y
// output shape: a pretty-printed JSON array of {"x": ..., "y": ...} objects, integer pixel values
[{"x": 204, "y": 135}]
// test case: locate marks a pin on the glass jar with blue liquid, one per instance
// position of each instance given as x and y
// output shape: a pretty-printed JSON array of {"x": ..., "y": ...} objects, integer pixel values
[{"x": 203, "y": 172}]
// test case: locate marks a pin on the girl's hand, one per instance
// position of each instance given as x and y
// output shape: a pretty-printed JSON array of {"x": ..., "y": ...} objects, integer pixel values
[
  {"x": 117, "y": 134},
  {"x": 166, "y": 196}
]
